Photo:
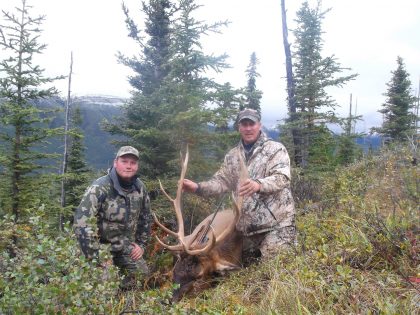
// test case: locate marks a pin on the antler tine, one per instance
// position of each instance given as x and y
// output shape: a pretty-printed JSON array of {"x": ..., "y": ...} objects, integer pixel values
[
  {"x": 237, "y": 212},
  {"x": 237, "y": 203},
  {"x": 160, "y": 224},
  {"x": 243, "y": 176},
  {"x": 178, "y": 199},
  {"x": 178, "y": 213},
  {"x": 164, "y": 191},
  {"x": 164, "y": 227},
  {"x": 178, "y": 247}
]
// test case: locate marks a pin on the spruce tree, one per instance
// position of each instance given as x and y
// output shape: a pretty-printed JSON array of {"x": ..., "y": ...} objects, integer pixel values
[
  {"x": 347, "y": 149},
  {"x": 142, "y": 117},
  {"x": 312, "y": 74},
  {"x": 170, "y": 109},
  {"x": 78, "y": 173},
  {"x": 189, "y": 89},
  {"x": 252, "y": 94},
  {"x": 24, "y": 124},
  {"x": 228, "y": 101},
  {"x": 398, "y": 109}
]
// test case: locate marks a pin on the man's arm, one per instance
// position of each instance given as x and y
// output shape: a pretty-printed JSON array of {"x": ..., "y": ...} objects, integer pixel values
[
  {"x": 85, "y": 224},
  {"x": 220, "y": 182}
]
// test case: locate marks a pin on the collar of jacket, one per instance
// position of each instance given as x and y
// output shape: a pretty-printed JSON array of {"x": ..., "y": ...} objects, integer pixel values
[{"x": 116, "y": 183}]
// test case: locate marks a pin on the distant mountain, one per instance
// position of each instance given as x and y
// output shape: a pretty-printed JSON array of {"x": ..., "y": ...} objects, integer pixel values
[
  {"x": 100, "y": 151},
  {"x": 96, "y": 100},
  {"x": 369, "y": 142},
  {"x": 94, "y": 109},
  {"x": 272, "y": 133}
]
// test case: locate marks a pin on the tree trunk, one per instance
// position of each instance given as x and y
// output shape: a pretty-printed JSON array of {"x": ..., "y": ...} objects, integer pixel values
[
  {"x": 291, "y": 89},
  {"x": 65, "y": 154}
]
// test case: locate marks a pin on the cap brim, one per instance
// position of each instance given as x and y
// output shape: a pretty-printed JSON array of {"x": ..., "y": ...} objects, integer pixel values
[
  {"x": 132, "y": 154},
  {"x": 254, "y": 119}
]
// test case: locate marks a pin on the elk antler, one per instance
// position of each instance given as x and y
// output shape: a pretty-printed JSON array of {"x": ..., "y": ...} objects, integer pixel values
[
  {"x": 184, "y": 244},
  {"x": 237, "y": 206},
  {"x": 237, "y": 202}
]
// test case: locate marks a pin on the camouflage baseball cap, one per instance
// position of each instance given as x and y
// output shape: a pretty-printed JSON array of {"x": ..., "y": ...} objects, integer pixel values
[
  {"x": 127, "y": 150},
  {"x": 248, "y": 113}
]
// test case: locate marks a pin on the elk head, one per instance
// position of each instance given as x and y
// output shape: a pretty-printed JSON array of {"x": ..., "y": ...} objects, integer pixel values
[{"x": 213, "y": 248}]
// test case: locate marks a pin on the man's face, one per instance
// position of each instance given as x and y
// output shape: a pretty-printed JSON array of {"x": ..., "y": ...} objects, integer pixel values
[
  {"x": 126, "y": 166},
  {"x": 249, "y": 130}
]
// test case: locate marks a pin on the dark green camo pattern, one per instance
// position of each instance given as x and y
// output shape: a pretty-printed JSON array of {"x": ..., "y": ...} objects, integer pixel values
[{"x": 108, "y": 214}]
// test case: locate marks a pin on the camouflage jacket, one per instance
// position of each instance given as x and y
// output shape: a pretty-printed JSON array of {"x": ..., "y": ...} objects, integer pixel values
[
  {"x": 268, "y": 163},
  {"x": 108, "y": 214}
]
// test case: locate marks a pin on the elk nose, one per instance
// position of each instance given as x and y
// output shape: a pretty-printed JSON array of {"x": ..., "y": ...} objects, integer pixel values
[{"x": 176, "y": 295}]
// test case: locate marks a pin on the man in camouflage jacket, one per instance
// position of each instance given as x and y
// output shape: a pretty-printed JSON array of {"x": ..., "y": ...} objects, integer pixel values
[
  {"x": 268, "y": 214},
  {"x": 115, "y": 210}
]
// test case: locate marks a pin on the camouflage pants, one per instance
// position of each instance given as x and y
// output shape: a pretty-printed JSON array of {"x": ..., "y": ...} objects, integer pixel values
[
  {"x": 271, "y": 242},
  {"x": 132, "y": 270}
]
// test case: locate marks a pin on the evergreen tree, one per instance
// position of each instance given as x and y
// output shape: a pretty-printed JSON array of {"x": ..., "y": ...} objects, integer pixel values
[
  {"x": 348, "y": 151},
  {"x": 20, "y": 87},
  {"x": 189, "y": 90},
  {"x": 228, "y": 102},
  {"x": 322, "y": 152},
  {"x": 141, "y": 123},
  {"x": 398, "y": 109},
  {"x": 77, "y": 176},
  {"x": 172, "y": 110},
  {"x": 312, "y": 74},
  {"x": 152, "y": 67},
  {"x": 252, "y": 94}
]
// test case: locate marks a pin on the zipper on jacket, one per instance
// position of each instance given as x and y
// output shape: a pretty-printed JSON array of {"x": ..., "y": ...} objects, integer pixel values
[{"x": 128, "y": 207}]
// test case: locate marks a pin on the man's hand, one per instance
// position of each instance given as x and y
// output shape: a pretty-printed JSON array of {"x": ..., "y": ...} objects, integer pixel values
[
  {"x": 136, "y": 252},
  {"x": 249, "y": 187},
  {"x": 189, "y": 186}
]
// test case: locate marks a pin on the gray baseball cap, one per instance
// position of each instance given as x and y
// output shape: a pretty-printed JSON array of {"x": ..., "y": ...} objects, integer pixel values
[
  {"x": 127, "y": 150},
  {"x": 248, "y": 113}
]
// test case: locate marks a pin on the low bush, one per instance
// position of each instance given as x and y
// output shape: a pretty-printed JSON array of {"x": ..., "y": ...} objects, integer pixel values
[{"x": 48, "y": 274}]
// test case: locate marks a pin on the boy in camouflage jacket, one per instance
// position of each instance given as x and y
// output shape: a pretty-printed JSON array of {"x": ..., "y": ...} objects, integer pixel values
[{"x": 115, "y": 210}]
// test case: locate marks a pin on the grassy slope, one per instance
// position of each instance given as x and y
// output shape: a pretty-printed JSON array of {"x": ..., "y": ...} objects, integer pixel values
[{"x": 358, "y": 248}]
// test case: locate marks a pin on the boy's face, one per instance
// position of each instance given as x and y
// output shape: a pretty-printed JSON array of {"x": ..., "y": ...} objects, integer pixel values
[{"x": 126, "y": 166}]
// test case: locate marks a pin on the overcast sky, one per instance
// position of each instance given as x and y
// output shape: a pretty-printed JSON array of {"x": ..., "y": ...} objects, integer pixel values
[{"x": 365, "y": 35}]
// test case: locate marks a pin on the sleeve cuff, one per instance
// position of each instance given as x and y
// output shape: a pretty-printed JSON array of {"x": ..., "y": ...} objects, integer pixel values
[
  {"x": 259, "y": 182},
  {"x": 198, "y": 190}
]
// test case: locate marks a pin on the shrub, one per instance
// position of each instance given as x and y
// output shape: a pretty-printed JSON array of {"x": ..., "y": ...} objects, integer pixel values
[{"x": 48, "y": 275}]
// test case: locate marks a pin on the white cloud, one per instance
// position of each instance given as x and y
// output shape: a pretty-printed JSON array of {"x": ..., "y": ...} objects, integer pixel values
[{"x": 364, "y": 35}]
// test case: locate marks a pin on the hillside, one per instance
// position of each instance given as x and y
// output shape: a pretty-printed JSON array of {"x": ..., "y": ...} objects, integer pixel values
[{"x": 358, "y": 253}]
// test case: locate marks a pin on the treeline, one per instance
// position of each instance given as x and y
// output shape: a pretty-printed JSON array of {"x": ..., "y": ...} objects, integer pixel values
[{"x": 175, "y": 101}]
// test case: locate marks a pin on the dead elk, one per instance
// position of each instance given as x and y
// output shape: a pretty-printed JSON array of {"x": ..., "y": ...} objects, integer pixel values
[{"x": 212, "y": 249}]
